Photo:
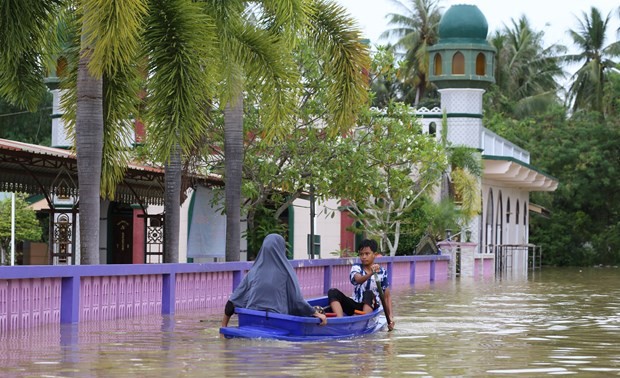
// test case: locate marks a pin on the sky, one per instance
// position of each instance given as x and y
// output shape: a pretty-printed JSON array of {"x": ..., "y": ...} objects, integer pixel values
[{"x": 554, "y": 17}]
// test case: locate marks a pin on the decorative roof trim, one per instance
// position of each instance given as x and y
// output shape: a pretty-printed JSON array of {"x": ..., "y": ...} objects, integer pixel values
[{"x": 515, "y": 173}]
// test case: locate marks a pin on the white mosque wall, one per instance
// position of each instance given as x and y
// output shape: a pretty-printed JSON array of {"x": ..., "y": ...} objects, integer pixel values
[
  {"x": 324, "y": 225},
  {"x": 493, "y": 144},
  {"x": 506, "y": 213},
  {"x": 465, "y": 131},
  {"x": 462, "y": 100},
  {"x": 59, "y": 134}
]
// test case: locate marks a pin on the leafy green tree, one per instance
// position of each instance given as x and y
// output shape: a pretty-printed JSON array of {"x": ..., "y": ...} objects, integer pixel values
[
  {"x": 587, "y": 89},
  {"x": 27, "y": 226},
  {"x": 393, "y": 164},
  {"x": 416, "y": 29},
  {"x": 24, "y": 126}
]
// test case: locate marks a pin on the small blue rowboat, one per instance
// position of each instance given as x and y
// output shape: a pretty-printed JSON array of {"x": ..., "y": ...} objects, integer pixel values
[{"x": 270, "y": 325}]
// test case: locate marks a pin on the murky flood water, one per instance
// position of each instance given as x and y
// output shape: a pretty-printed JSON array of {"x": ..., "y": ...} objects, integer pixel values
[{"x": 556, "y": 322}]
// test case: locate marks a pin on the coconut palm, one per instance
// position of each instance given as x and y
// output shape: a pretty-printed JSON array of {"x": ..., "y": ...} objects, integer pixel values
[
  {"x": 174, "y": 38},
  {"x": 526, "y": 72},
  {"x": 252, "y": 41},
  {"x": 416, "y": 29},
  {"x": 257, "y": 45},
  {"x": 587, "y": 88},
  {"x": 25, "y": 32}
]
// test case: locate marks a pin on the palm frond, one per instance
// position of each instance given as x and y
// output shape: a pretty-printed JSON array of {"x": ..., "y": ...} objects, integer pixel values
[
  {"x": 179, "y": 41},
  {"x": 120, "y": 104},
  {"x": 346, "y": 61},
  {"x": 24, "y": 31},
  {"x": 287, "y": 16}
]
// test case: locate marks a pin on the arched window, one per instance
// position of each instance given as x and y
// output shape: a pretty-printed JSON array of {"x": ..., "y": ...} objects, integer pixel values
[
  {"x": 458, "y": 64},
  {"x": 499, "y": 223},
  {"x": 508, "y": 211},
  {"x": 488, "y": 224},
  {"x": 437, "y": 65},
  {"x": 481, "y": 64},
  {"x": 518, "y": 211},
  {"x": 432, "y": 128}
]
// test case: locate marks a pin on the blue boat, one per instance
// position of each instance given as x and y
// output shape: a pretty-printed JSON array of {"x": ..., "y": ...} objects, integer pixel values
[{"x": 270, "y": 325}]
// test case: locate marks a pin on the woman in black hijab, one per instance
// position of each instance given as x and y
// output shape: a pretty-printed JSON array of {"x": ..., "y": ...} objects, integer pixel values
[{"x": 271, "y": 285}]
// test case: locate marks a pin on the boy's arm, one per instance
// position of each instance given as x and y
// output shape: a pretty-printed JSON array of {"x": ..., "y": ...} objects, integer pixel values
[{"x": 360, "y": 278}]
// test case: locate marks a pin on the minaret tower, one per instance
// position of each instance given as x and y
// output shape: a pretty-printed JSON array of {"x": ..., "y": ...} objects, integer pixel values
[
  {"x": 60, "y": 138},
  {"x": 461, "y": 66}
]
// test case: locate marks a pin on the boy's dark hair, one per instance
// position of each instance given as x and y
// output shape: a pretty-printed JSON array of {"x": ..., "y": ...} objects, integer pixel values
[{"x": 372, "y": 244}]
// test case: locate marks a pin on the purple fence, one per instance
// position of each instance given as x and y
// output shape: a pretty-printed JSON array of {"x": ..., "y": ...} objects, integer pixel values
[{"x": 35, "y": 295}]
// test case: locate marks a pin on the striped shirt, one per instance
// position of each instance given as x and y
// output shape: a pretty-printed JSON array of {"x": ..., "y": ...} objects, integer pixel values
[{"x": 359, "y": 289}]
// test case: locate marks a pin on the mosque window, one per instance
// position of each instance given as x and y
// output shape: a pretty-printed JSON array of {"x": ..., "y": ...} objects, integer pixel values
[
  {"x": 481, "y": 63},
  {"x": 508, "y": 211},
  {"x": 432, "y": 128},
  {"x": 518, "y": 210},
  {"x": 458, "y": 64},
  {"x": 437, "y": 65}
]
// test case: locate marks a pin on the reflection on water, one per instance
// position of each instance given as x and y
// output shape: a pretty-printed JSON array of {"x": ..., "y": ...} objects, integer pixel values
[{"x": 557, "y": 322}]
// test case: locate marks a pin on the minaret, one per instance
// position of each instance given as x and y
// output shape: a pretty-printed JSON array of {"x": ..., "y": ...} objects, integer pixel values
[
  {"x": 59, "y": 134},
  {"x": 461, "y": 66}
]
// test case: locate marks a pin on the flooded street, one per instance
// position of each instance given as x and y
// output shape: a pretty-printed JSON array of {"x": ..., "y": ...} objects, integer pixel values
[{"x": 556, "y": 322}]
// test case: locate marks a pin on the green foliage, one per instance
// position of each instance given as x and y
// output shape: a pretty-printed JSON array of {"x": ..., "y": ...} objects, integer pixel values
[
  {"x": 25, "y": 41},
  {"x": 583, "y": 153},
  {"x": 384, "y": 78},
  {"x": 395, "y": 165},
  {"x": 21, "y": 125},
  {"x": 587, "y": 89},
  {"x": 414, "y": 226},
  {"x": 526, "y": 72},
  {"x": 417, "y": 28},
  {"x": 265, "y": 223},
  {"x": 27, "y": 226}
]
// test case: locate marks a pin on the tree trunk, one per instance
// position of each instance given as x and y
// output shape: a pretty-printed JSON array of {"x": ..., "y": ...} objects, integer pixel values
[
  {"x": 233, "y": 153},
  {"x": 172, "y": 207},
  {"x": 89, "y": 147}
]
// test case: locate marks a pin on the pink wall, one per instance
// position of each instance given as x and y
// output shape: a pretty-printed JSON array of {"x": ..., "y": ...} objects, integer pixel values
[
  {"x": 30, "y": 302},
  {"x": 34, "y": 295},
  {"x": 116, "y": 297},
  {"x": 484, "y": 267},
  {"x": 203, "y": 290}
]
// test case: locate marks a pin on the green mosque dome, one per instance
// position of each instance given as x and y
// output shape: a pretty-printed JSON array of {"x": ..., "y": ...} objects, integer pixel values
[{"x": 463, "y": 21}]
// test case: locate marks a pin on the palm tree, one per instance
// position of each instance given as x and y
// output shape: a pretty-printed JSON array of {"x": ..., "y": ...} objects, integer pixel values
[
  {"x": 416, "y": 29},
  {"x": 180, "y": 42},
  {"x": 28, "y": 44},
  {"x": 233, "y": 148},
  {"x": 525, "y": 71},
  {"x": 257, "y": 46},
  {"x": 252, "y": 40},
  {"x": 588, "y": 83},
  {"x": 175, "y": 38}
]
